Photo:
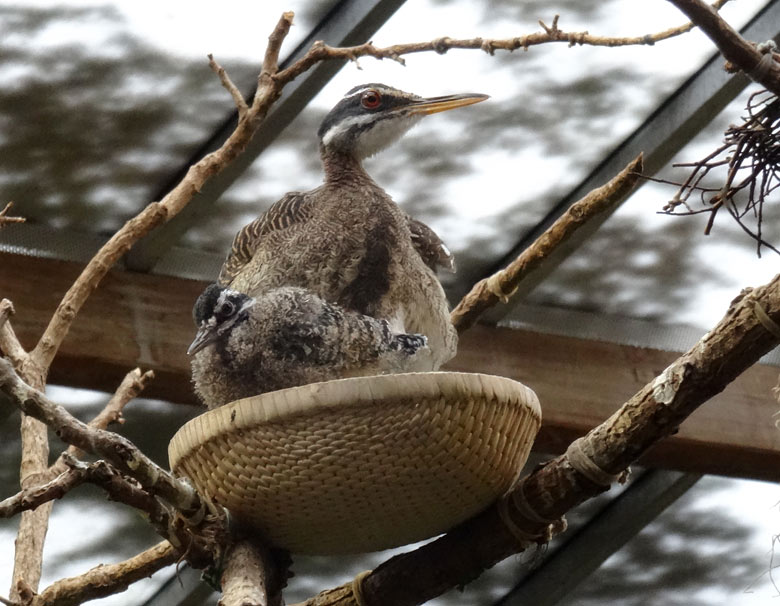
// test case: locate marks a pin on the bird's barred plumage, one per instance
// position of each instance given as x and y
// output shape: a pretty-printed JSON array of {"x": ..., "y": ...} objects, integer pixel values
[{"x": 292, "y": 208}]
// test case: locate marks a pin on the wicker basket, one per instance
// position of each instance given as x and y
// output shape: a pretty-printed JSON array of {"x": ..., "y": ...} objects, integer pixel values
[{"x": 361, "y": 464}]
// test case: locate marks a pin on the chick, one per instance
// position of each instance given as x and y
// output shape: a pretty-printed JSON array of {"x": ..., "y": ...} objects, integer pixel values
[{"x": 288, "y": 337}]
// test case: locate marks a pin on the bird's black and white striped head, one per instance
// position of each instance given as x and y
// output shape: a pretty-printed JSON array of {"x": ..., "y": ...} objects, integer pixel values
[
  {"x": 216, "y": 312},
  {"x": 372, "y": 116}
]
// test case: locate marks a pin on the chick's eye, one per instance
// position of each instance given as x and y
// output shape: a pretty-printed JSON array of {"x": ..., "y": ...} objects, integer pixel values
[
  {"x": 226, "y": 308},
  {"x": 371, "y": 99}
]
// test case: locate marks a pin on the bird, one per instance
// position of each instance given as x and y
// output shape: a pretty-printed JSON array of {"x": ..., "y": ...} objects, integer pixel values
[
  {"x": 286, "y": 337},
  {"x": 347, "y": 240}
]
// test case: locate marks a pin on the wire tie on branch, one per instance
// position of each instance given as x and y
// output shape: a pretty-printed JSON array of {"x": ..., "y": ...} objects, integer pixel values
[
  {"x": 582, "y": 463},
  {"x": 357, "y": 588},
  {"x": 762, "y": 69},
  {"x": 523, "y": 509},
  {"x": 493, "y": 284},
  {"x": 764, "y": 318},
  {"x": 523, "y": 537}
]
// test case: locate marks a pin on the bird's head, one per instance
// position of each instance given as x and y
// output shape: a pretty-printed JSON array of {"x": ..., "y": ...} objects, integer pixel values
[
  {"x": 372, "y": 116},
  {"x": 216, "y": 312}
]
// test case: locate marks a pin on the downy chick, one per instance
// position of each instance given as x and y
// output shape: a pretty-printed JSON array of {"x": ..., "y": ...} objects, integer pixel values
[{"x": 288, "y": 337}]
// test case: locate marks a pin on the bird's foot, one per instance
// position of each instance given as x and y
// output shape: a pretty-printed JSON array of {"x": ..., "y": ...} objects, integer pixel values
[{"x": 409, "y": 344}]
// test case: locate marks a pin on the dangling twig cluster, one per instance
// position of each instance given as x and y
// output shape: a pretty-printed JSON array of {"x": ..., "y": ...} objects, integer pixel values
[{"x": 750, "y": 155}]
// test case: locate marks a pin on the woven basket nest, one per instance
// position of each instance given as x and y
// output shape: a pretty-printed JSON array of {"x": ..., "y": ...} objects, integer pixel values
[{"x": 361, "y": 464}]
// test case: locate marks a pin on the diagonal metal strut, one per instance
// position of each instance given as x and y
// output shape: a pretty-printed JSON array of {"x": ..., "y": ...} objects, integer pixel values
[{"x": 601, "y": 536}]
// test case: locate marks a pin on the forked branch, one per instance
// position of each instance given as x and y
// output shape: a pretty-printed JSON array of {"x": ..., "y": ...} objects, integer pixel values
[{"x": 113, "y": 447}]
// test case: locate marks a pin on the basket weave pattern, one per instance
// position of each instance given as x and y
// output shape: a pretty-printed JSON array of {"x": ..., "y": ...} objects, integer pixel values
[{"x": 361, "y": 464}]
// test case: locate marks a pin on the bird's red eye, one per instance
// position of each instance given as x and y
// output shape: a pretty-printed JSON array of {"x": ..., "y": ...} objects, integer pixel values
[{"x": 371, "y": 99}]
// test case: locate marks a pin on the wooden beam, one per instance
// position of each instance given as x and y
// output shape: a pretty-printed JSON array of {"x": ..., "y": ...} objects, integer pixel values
[
  {"x": 580, "y": 383},
  {"x": 137, "y": 319}
]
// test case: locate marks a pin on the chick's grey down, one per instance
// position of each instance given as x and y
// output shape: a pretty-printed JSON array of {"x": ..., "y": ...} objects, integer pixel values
[
  {"x": 347, "y": 241},
  {"x": 288, "y": 337}
]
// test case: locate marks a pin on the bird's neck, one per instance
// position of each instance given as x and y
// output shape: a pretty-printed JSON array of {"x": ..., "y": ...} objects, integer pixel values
[{"x": 343, "y": 168}]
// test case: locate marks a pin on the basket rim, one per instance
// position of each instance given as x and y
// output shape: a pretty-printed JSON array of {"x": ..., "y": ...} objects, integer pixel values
[{"x": 286, "y": 404}]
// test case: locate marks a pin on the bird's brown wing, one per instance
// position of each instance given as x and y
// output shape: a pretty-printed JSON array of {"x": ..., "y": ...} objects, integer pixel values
[
  {"x": 294, "y": 207},
  {"x": 430, "y": 246}
]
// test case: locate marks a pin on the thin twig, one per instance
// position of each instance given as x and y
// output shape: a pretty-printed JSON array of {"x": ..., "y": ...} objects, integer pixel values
[
  {"x": 107, "y": 579},
  {"x": 133, "y": 384},
  {"x": 749, "y": 157},
  {"x": 9, "y": 343},
  {"x": 5, "y": 219},
  {"x": 115, "y": 448},
  {"x": 31, "y": 498},
  {"x": 271, "y": 58},
  {"x": 238, "y": 98},
  {"x": 320, "y": 51}
]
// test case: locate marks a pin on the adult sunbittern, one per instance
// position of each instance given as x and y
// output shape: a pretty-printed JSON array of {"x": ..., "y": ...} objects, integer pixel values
[{"x": 347, "y": 241}]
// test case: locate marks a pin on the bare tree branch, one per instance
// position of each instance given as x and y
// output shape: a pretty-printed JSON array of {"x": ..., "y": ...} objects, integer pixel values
[
  {"x": 108, "y": 579},
  {"x": 763, "y": 68},
  {"x": 748, "y": 330},
  {"x": 271, "y": 58},
  {"x": 76, "y": 473},
  {"x": 9, "y": 344},
  {"x": 227, "y": 83},
  {"x": 35, "y": 447},
  {"x": 158, "y": 213},
  {"x": 5, "y": 219},
  {"x": 28, "y": 558},
  {"x": 115, "y": 448},
  {"x": 320, "y": 51},
  {"x": 132, "y": 385},
  {"x": 31, "y": 498},
  {"x": 250, "y": 577},
  {"x": 502, "y": 285}
]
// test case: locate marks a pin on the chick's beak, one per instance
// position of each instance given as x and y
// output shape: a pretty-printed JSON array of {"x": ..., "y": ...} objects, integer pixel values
[
  {"x": 433, "y": 105},
  {"x": 205, "y": 335}
]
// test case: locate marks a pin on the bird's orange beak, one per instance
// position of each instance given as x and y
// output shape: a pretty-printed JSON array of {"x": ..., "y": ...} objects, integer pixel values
[{"x": 433, "y": 105}]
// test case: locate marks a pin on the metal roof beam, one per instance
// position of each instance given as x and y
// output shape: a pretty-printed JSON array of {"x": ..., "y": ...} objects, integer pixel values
[
  {"x": 601, "y": 536},
  {"x": 350, "y": 22}
]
